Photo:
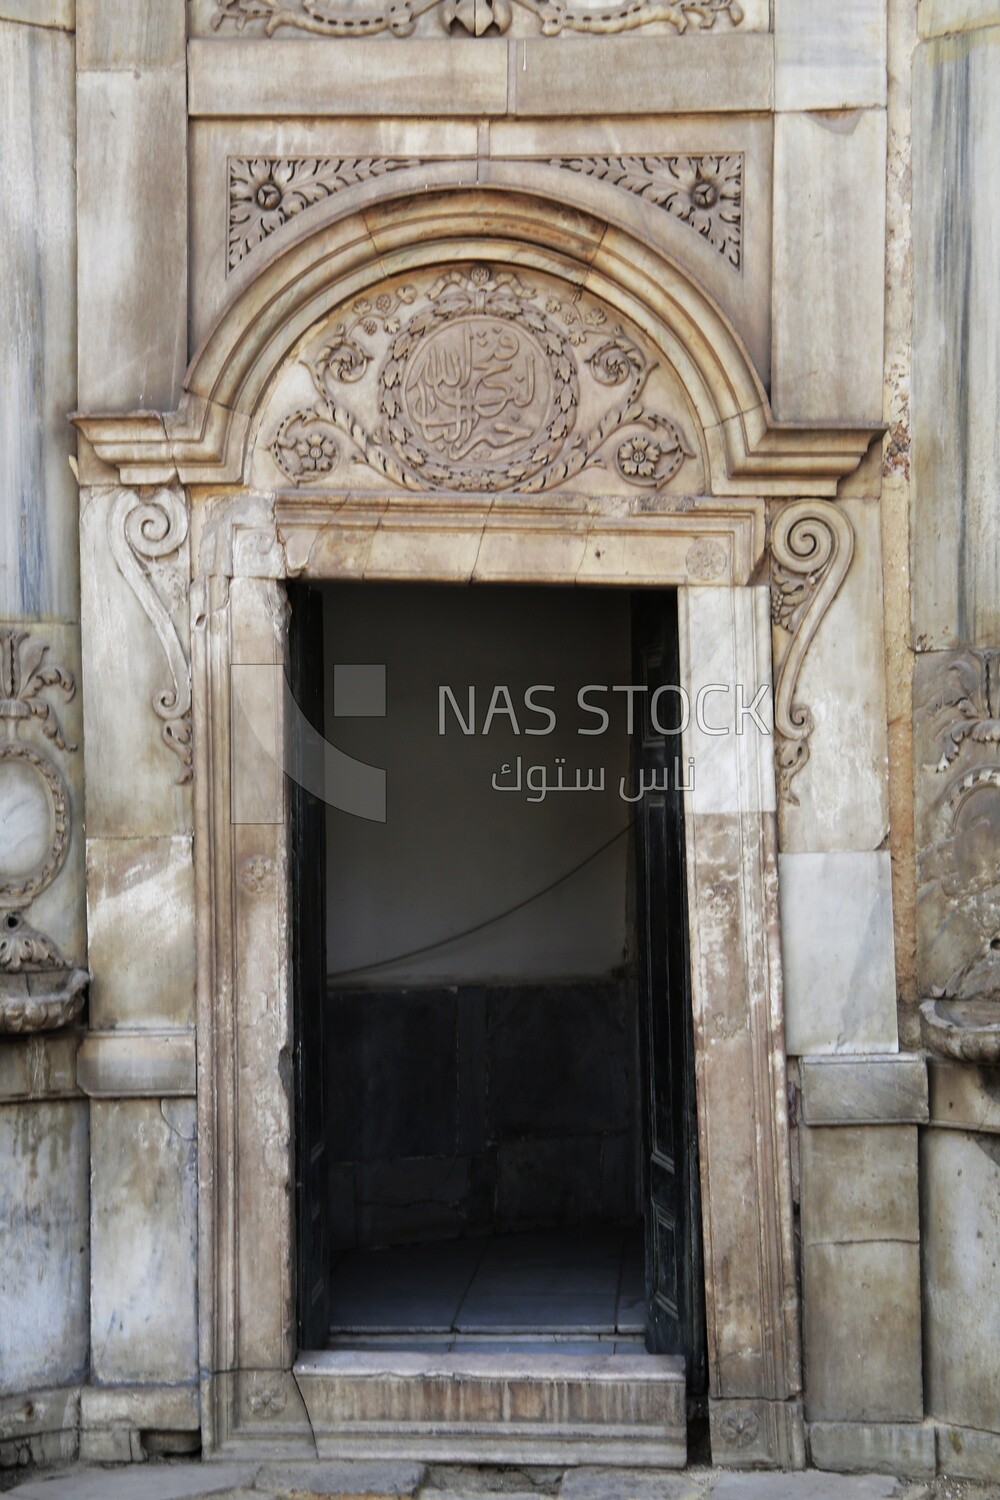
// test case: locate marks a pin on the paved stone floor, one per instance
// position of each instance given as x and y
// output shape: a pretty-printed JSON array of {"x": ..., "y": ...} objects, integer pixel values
[{"x": 412, "y": 1481}]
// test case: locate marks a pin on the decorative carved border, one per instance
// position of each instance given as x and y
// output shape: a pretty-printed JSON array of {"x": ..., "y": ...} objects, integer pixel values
[
  {"x": 705, "y": 192},
  {"x": 142, "y": 530},
  {"x": 812, "y": 544},
  {"x": 266, "y": 191},
  {"x": 339, "y": 18}
]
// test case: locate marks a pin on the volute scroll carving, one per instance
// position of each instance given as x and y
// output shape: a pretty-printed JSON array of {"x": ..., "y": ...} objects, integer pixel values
[
  {"x": 143, "y": 531},
  {"x": 812, "y": 544}
]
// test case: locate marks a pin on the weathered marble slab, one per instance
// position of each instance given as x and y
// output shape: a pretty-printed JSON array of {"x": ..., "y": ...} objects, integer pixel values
[
  {"x": 139, "y": 34},
  {"x": 725, "y": 659},
  {"x": 829, "y": 254},
  {"x": 859, "y": 1184},
  {"x": 873, "y": 1448},
  {"x": 608, "y": 75},
  {"x": 43, "y": 1209},
  {"x": 837, "y": 952},
  {"x": 144, "y": 1237},
  {"x": 866, "y": 1090},
  {"x": 842, "y": 790},
  {"x": 964, "y": 1097},
  {"x": 960, "y": 1186},
  {"x": 869, "y": 1293},
  {"x": 829, "y": 56},
  {"x": 956, "y": 770},
  {"x": 60, "y": 14},
  {"x": 132, "y": 269},
  {"x": 39, "y": 1067},
  {"x": 956, "y": 342},
  {"x": 39, "y": 570},
  {"x": 936, "y": 17},
  {"x": 140, "y": 901}
]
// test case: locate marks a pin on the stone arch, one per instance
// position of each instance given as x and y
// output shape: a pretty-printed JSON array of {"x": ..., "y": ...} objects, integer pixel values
[{"x": 204, "y": 441}]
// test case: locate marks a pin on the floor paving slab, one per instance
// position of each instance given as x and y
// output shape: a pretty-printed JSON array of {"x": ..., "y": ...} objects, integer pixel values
[
  {"x": 344, "y": 1479},
  {"x": 193, "y": 1481},
  {"x": 639, "y": 1484}
]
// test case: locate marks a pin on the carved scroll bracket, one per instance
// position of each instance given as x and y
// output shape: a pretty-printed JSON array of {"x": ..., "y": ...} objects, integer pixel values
[
  {"x": 812, "y": 544},
  {"x": 144, "y": 530}
]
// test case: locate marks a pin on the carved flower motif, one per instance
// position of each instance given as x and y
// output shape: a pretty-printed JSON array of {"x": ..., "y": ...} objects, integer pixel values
[
  {"x": 741, "y": 1428},
  {"x": 638, "y": 457},
  {"x": 317, "y": 453}
]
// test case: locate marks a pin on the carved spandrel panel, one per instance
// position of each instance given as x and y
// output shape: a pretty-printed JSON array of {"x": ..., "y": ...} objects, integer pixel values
[{"x": 479, "y": 380}]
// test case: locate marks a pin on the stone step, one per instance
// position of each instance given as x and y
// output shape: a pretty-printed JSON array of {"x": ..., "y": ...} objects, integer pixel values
[{"x": 497, "y": 1407}]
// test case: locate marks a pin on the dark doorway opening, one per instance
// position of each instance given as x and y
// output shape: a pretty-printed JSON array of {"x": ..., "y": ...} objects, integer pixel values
[{"x": 496, "y": 1138}]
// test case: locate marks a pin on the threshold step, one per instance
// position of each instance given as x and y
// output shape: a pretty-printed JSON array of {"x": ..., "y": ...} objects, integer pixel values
[{"x": 499, "y": 1405}]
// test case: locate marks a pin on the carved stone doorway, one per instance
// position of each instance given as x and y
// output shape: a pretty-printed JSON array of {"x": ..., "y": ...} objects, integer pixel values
[{"x": 305, "y": 448}]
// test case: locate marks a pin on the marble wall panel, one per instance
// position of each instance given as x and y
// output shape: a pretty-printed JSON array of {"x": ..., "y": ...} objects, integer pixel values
[
  {"x": 955, "y": 543},
  {"x": 936, "y": 17},
  {"x": 39, "y": 570},
  {"x": 960, "y": 1185},
  {"x": 120, "y": 34},
  {"x": 837, "y": 952},
  {"x": 829, "y": 56},
  {"x": 869, "y": 1293},
  {"x": 144, "y": 1237},
  {"x": 44, "y": 1333},
  {"x": 725, "y": 660},
  {"x": 140, "y": 901},
  {"x": 956, "y": 767},
  {"x": 135, "y": 782},
  {"x": 842, "y": 790},
  {"x": 829, "y": 266},
  {"x": 60, "y": 14},
  {"x": 132, "y": 210}
]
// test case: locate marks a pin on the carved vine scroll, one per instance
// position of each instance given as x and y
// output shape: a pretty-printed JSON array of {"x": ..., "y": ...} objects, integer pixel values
[
  {"x": 143, "y": 530},
  {"x": 812, "y": 543},
  {"x": 335, "y": 18}
]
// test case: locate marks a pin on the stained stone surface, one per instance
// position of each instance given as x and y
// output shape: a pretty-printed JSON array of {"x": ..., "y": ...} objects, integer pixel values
[
  {"x": 829, "y": 242},
  {"x": 829, "y": 57},
  {"x": 44, "y": 1147},
  {"x": 143, "y": 1309},
  {"x": 961, "y": 1218},
  {"x": 39, "y": 566},
  {"x": 956, "y": 341}
]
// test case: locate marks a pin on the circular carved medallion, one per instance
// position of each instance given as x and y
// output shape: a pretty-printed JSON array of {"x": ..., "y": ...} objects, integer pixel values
[
  {"x": 34, "y": 803},
  {"x": 480, "y": 390}
]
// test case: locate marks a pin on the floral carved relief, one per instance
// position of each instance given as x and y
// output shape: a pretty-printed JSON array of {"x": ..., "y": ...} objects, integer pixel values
[
  {"x": 812, "y": 544},
  {"x": 478, "y": 380},
  {"x": 40, "y": 991},
  {"x": 266, "y": 191},
  {"x": 145, "y": 532},
  {"x": 703, "y": 192},
  {"x": 340, "y": 18}
]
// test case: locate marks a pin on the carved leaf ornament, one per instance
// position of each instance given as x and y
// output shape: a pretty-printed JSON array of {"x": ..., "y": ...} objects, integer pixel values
[
  {"x": 337, "y": 18},
  {"x": 479, "y": 390}
]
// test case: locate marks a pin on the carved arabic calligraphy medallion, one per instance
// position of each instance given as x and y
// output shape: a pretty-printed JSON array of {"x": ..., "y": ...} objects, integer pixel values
[{"x": 489, "y": 384}]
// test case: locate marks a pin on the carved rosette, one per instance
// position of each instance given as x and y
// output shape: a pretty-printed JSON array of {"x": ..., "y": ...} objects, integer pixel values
[
  {"x": 144, "y": 532},
  {"x": 335, "y": 18},
  {"x": 266, "y": 191},
  {"x": 705, "y": 192},
  {"x": 39, "y": 991},
  {"x": 479, "y": 390},
  {"x": 812, "y": 544}
]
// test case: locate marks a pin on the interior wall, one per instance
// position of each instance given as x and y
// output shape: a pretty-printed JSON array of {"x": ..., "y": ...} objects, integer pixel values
[{"x": 453, "y": 851}]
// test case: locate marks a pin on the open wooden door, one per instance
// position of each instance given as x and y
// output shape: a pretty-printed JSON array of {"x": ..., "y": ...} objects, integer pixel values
[
  {"x": 675, "y": 1293},
  {"x": 308, "y": 922}
]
